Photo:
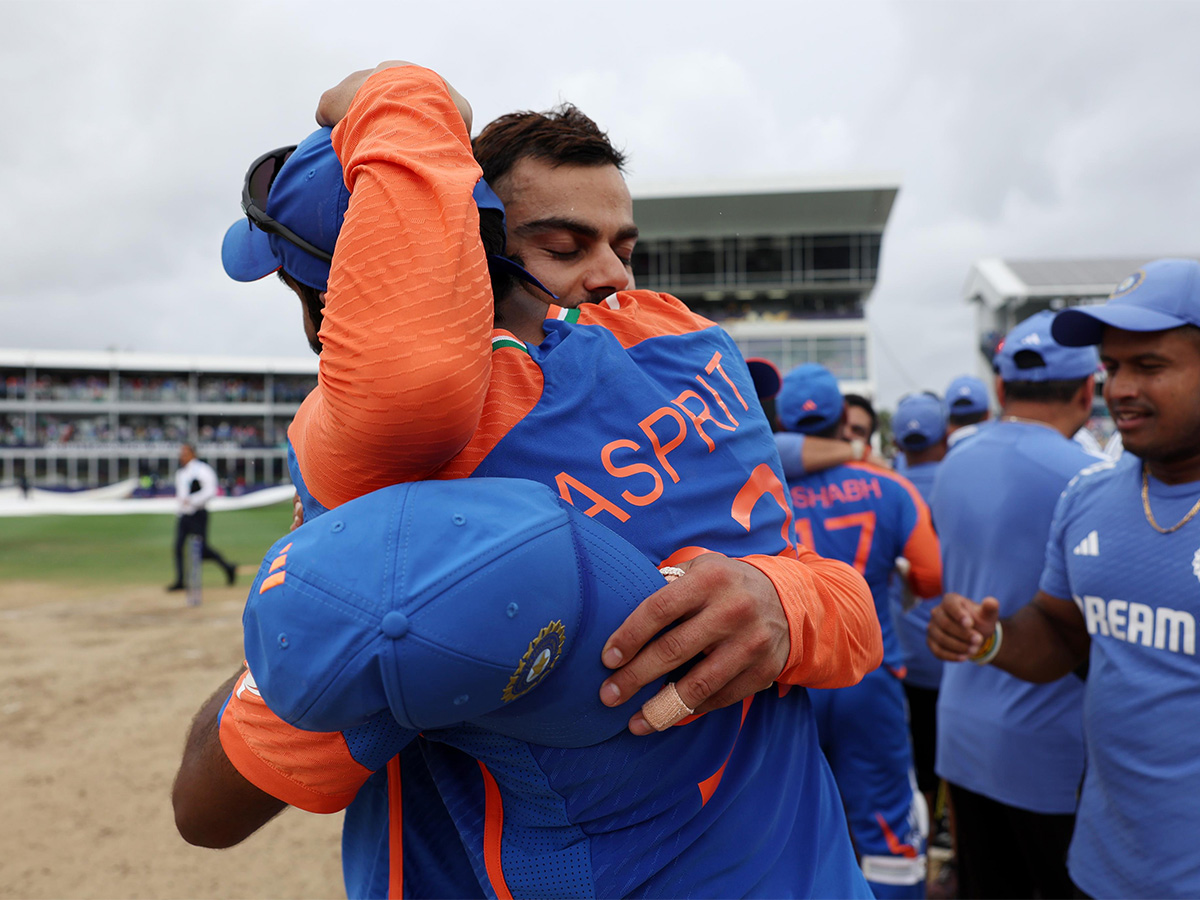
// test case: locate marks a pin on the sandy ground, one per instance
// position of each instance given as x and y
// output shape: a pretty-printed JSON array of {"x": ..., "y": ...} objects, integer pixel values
[{"x": 97, "y": 690}]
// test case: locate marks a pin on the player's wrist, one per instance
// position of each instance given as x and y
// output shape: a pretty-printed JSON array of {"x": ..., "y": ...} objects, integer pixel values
[
  {"x": 990, "y": 647},
  {"x": 858, "y": 450}
]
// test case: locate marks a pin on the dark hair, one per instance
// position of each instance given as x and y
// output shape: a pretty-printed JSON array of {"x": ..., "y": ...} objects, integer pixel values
[
  {"x": 1061, "y": 391},
  {"x": 561, "y": 136},
  {"x": 961, "y": 420},
  {"x": 864, "y": 404},
  {"x": 313, "y": 304},
  {"x": 491, "y": 230}
]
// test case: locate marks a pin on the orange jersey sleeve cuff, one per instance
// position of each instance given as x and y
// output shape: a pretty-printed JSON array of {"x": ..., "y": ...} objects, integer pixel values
[
  {"x": 835, "y": 636},
  {"x": 307, "y": 769}
]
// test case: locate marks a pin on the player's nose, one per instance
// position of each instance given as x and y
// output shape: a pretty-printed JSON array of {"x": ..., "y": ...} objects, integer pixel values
[{"x": 607, "y": 273}]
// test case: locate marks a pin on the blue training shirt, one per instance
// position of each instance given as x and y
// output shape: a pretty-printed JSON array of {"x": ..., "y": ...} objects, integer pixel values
[
  {"x": 1139, "y": 591},
  {"x": 993, "y": 499}
]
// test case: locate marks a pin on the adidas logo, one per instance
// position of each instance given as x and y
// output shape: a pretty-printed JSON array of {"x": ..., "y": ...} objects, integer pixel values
[
  {"x": 1089, "y": 546},
  {"x": 1032, "y": 340}
]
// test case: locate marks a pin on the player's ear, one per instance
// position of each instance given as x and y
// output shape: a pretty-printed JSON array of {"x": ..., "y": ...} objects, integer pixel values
[
  {"x": 1086, "y": 392},
  {"x": 1000, "y": 391}
]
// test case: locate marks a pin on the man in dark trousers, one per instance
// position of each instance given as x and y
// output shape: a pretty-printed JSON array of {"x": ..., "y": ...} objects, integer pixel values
[{"x": 195, "y": 485}]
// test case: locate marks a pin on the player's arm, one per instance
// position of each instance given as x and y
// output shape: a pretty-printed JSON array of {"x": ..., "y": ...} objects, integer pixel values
[
  {"x": 923, "y": 552},
  {"x": 215, "y": 806},
  {"x": 408, "y": 313},
  {"x": 1044, "y": 641},
  {"x": 801, "y": 454},
  {"x": 243, "y": 764},
  {"x": 759, "y": 620}
]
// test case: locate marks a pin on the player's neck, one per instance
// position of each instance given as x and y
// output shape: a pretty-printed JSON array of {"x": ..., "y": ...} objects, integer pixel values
[
  {"x": 1052, "y": 415},
  {"x": 1175, "y": 470}
]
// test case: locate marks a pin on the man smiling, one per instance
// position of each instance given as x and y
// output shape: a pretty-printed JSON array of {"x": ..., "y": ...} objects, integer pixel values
[{"x": 1123, "y": 549}]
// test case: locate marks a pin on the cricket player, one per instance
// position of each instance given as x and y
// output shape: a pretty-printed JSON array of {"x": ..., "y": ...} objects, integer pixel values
[
  {"x": 1121, "y": 591},
  {"x": 678, "y": 439},
  {"x": 868, "y": 517}
]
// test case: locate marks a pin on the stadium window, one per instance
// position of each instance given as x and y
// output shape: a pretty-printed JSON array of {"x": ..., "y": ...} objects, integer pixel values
[
  {"x": 642, "y": 262},
  {"x": 831, "y": 257},
  {"x": 764, "y": 259},
  {"x": 698, "y": 262}
]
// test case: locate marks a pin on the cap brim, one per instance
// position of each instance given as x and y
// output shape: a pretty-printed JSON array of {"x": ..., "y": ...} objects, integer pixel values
[
  {"x": 1080, "y": 327},
  {"x": 246, "y": 252}
]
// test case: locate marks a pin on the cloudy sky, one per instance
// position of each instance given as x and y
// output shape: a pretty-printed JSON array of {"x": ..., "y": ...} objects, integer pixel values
[{"x": 1027, "y": 129}]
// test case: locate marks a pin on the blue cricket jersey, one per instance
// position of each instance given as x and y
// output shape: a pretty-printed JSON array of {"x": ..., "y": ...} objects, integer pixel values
[
  {"x": 1139, "y": 592},
  {"x": 993, "y": 500}
]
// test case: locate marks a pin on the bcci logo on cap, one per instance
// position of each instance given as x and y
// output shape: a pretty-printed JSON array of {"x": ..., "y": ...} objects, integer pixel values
[
  {"x": 1128, "y": 284},
  {"x": 538, "y": 660}
]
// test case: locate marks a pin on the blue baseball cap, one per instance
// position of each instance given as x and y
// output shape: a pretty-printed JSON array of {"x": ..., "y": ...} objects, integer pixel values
[
  {"x": 966, "y": 396},
  {"x": 309, "y": 196},
  {"x": 766, "y": 377},
  {"x": 919, "y": 422},
  {"x": 1161, "y": 295},
  {"x": 809, "y": 400},
  {"x": 481, "y": 600},
  {"x": 1029, "y": 353}
]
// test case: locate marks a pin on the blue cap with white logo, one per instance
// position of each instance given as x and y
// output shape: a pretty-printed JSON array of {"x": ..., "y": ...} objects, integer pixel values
[
  {"x": 919, "y": 422},
  {"x": 1161, "y": 295},
  {"x": 1029, "y": 353},
  {"x": 810, "y": 400},
  {"x": 966, "y": 396},
  {"x": 482, "y": 600}
]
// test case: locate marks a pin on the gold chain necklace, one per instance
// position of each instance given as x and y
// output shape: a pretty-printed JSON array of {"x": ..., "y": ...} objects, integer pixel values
[{"x": 1150, "y": 515}]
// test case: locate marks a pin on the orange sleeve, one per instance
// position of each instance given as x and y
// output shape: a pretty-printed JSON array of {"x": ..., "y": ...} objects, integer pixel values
[
  {"x": 408, "y": 314},
  {"x": 308, "y": 769},
  {"x": 831, "y": 619},
  {"x": 924, "y": 554}
]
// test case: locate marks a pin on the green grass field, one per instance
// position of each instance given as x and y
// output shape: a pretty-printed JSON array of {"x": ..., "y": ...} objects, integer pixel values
[{"x": 130, "y": 549}]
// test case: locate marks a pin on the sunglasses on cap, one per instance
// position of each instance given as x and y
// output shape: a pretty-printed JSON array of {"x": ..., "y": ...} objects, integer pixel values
[{"x": 259, "y": 179}]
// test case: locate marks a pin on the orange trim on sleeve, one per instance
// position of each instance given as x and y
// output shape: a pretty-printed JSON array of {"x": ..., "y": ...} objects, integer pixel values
[
  {"x": 395, "y": 831},
  {"x": 709, "y": 785},
  {"x": 406, "y": 360},
  {"x": 308, "y": 769},
  {"x": 834, "y": 630},
  {"x": 922, "y": 549},
  {"x": 493, "y": 835}
]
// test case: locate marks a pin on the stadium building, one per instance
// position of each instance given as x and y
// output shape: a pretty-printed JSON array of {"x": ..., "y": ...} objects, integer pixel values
[
  {"x": 85, "y": 419},
  {"x": 785, "y": 267}
]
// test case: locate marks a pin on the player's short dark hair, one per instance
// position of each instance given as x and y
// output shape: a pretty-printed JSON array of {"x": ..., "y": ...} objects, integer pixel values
[
  {"x": 560, "y": 136},
  {"x": 1061, "y": 391},
  {"x": 962, "y": 420},
  {"x": 864, "y": 404}
]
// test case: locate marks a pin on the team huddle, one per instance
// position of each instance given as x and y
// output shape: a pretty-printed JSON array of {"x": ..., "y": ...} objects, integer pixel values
[{"x": 529, "y": 493}]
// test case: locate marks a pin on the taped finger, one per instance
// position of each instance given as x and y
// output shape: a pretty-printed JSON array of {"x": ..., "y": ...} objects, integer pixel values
[{"x": 665, "y": 708}]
